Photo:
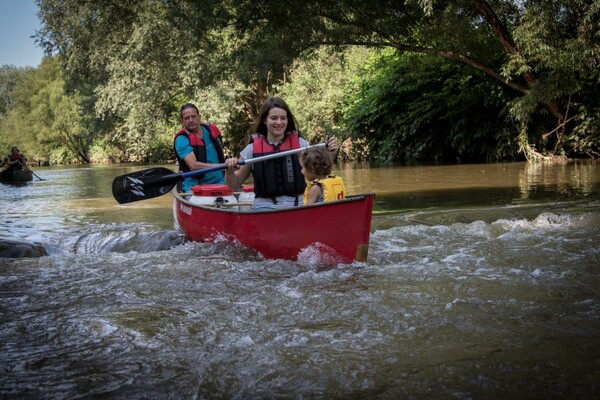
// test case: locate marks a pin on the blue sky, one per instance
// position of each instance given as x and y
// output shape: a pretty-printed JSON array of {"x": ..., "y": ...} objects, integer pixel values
[{"x": 19, "y": 21}]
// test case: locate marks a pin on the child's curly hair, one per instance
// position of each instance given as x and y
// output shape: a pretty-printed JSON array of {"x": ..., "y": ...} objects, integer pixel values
[{"x": 317, "y": 160}]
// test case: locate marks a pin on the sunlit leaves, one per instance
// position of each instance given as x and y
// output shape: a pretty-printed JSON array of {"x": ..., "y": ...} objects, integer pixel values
[
  {"x": 46, "y": 120},
  {"x": 143, "y": 58},
  {"x": 316, "y": 88}
]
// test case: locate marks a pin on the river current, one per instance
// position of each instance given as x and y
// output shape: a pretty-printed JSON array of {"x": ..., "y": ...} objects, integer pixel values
[{"x": 483, "y": 282}]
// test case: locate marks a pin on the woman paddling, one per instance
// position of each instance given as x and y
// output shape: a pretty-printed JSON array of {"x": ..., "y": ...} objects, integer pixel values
[{"x": 278, "y": 183}]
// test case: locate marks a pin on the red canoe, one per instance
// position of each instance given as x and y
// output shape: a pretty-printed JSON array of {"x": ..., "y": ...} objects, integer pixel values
[{"x": 339, "y": 228}]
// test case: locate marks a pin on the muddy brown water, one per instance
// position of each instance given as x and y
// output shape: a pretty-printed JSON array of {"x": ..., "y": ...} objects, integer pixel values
[{"x": 483, "y": 281}]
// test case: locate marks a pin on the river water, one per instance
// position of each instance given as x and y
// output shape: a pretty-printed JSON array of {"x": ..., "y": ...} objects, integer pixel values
[{"x": 483, "y": 282}]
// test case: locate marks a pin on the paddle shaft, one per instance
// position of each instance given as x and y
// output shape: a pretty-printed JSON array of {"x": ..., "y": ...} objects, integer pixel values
[
  {"x": 249, "y": 161},
  {"x": 220, "y": 167}
]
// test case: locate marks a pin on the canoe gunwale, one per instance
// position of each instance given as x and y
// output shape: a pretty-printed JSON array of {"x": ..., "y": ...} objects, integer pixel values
[{"x": 349, "y": 198}]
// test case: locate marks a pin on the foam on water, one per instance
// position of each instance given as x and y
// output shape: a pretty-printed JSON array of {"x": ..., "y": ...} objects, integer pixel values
[{"x": 477, "y": 302}]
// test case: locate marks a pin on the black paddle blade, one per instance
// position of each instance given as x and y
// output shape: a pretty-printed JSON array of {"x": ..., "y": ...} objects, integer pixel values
[{"x": 144, "y": 184}]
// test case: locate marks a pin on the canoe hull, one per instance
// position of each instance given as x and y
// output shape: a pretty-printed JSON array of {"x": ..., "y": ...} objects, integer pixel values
[
  {"x": 15, "y": 175},
  {"x": 340, "y": 228}
]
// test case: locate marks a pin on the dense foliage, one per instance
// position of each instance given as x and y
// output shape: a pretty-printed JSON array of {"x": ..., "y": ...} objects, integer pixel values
[
  {"x": 44, "y": 120},
  {"x": 428, "y": 80},
  {"x": 415, "y": 108}
]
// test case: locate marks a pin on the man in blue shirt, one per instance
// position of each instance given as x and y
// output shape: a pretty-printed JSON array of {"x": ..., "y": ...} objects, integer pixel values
[{"x": 198, "y": 146}]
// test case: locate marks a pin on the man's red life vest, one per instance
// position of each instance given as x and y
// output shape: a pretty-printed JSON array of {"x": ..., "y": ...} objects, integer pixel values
[{"x": 199, "y": 146}]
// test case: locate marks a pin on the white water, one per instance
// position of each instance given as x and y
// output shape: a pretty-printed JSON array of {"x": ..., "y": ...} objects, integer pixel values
[{"x": 464, "y": 301}]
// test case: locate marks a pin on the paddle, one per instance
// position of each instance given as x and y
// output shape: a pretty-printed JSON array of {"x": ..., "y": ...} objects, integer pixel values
[{"x": 155, "y": 182}]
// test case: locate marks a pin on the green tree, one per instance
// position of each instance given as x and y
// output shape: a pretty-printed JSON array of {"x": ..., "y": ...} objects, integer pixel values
[
  {"x": 145, "y": 59},
  {"x": 416, "y": 108},
  {"x": 316, "y": 91},
  {"x": 557, "y": 42},
  {"x": 543, "y": 51},
  {"x": 47, "y": 121},
  {"x": 9, "y": 78}
]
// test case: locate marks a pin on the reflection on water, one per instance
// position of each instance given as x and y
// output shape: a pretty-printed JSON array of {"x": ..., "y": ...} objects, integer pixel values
[
  {"x": 77, "y": 196},
  {"x": 568, "y": 179},
  {"x": 482, "y": 283},
  {"x": 405, "y": 188}
]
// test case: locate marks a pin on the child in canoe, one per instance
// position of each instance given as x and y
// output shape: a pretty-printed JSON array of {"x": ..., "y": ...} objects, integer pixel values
[{"x": 316, "y": 163}]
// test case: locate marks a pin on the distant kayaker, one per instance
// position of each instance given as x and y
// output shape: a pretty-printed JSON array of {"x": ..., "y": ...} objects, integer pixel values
[
  {"x": 278, "y": 182},
  {"x": 15, "y": 160},
  {"x": 198, "y": 146},
  {"x": 316, "y": 163}
]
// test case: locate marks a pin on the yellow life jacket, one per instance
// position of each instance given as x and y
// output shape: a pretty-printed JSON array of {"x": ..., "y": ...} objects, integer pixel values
[{"x": 332, "y": 186}]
